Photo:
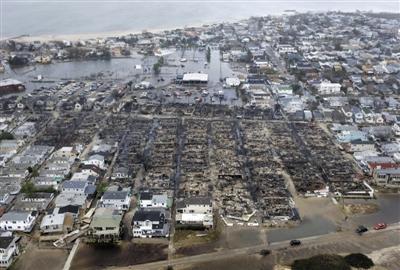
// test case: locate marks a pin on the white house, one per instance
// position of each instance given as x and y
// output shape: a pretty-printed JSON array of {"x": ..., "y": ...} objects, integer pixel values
[
  {"x": 57, "y": 223},
  {"x": 286, "y": 48},
  {"x": 78, "y": 107},
  {"x": 75, "y": 187},
  {"x": 195, "y": 211},
  {"x": 96, "y": 160},
  {"x": 119, "y": 200},
  {"x": 88, "y": 176},
  {"x": 150, "y": 200},
  {"x": 328, "y": 88},
  {"x": 150, "y": 223},
  {"x": 18, "y": 221},
  {"x": 8, "y": 250}
]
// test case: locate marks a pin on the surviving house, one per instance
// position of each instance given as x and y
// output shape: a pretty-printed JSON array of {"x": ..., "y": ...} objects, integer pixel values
[
  {"x": 328, "y": 88},
  {"x": 150, "y": 223},
  {"x": 116, "y": 199},
  {"x": 78, "y": 188},
  {"x": 105, "y": 225},
  {"x": 387, "y": 177},
  {"x": 8, "y": 250},
  {"x": 96, "y": 160},
  {"x": 150, "y": 200},
  {"x": 197, "y": 211},
  {"x": 57, "y": 223},
  {"x": 18, "y": 221}
]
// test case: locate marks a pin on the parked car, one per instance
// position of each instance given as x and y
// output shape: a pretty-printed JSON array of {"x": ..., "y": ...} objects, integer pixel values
[
  {"x": 361, "y": 229},
  {"x": 295, "y": 243},
  {"x": 380, "y": 226}
]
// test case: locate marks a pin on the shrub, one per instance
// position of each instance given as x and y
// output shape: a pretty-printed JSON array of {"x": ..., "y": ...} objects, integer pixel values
[
  {"x": 321, "y": 262},
  {"x": 359, "y": 260}
]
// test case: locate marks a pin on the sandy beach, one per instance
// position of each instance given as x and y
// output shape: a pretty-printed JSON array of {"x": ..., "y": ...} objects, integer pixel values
[
  {"x": 87, "y": 36},
  {"x": 76, "y": 37}
]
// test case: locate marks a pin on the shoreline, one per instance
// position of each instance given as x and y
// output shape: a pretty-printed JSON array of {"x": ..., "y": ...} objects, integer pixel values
[
  {"x": 88, "y": 36},
  {"x": 117, "y": 33},
  {"x": 81, "y": 36}
]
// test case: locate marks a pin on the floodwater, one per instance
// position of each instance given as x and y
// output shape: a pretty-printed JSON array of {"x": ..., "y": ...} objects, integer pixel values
[
  {"x": 310, "y": 226},
  {"x": 124, "y": 69},
  {"x": 389, "y": 212},
  {"x": 56, "y": 17}
]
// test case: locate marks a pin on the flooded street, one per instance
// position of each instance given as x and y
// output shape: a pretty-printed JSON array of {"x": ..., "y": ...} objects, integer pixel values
[
  {"x": 324, "y": 223},
  {"x": 389, "y": 211},
  {"x": 115, "y": 68},
  {"x": 310, "y": 226}
]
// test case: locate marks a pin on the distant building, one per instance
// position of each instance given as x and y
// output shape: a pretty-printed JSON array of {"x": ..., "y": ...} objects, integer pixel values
[
  {"x": 387, "y": 177},
  {"x": 328, "y": 88},
  {"x": 195, "y": 78},
  {"x": 10, "y": 86}
]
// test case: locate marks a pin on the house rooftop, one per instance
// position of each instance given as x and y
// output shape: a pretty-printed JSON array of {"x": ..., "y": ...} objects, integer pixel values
[
  {"x": 106, "y": 217},
  {"x": 74, "y": 184},
  {"x": 153, "y": 215},
  {"x": 5, "y": 241},
  {"x": 194, "y": 201},
  {"x": 115, "y": 195},
  {"x": 16, "y": 216}
]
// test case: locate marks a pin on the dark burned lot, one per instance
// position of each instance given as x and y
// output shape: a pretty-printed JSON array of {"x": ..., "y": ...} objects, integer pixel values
[{"x": 127, "y": 253}]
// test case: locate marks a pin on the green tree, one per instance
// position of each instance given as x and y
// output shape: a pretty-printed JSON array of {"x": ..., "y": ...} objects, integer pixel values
[
  {"x": 101, "y": 188},
  {"x": 161, "y": 61},
  {"x": 156, "y": 68},
  {"x": 28, "y": 188},
  {"x": 208, "y": 54},
  {"x": 35, "y": 172},
  {"x": 338, "y": 46},
  {"x": 6, "y": 136}
]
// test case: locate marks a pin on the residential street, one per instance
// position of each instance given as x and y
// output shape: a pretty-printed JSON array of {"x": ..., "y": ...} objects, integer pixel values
[{"x": 330, "y": 243}]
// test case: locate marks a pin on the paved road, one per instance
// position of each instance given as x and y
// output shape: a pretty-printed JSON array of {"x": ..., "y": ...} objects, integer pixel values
[{"x": 345, "y": 242}]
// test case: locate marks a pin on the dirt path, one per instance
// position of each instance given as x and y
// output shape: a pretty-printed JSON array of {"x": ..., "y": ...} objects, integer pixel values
[{"x": 41, "y": 258}]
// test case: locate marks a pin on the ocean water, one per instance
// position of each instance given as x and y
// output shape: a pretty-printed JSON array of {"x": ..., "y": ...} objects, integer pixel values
[{"x": 69, "y": 17}]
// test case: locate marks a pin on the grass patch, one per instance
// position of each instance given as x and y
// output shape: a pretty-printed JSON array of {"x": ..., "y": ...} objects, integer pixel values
[
  {"x": 355, "y": 209},
  {"x": 185, "y": 237},
  {"x": 195, "y": 237}
]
